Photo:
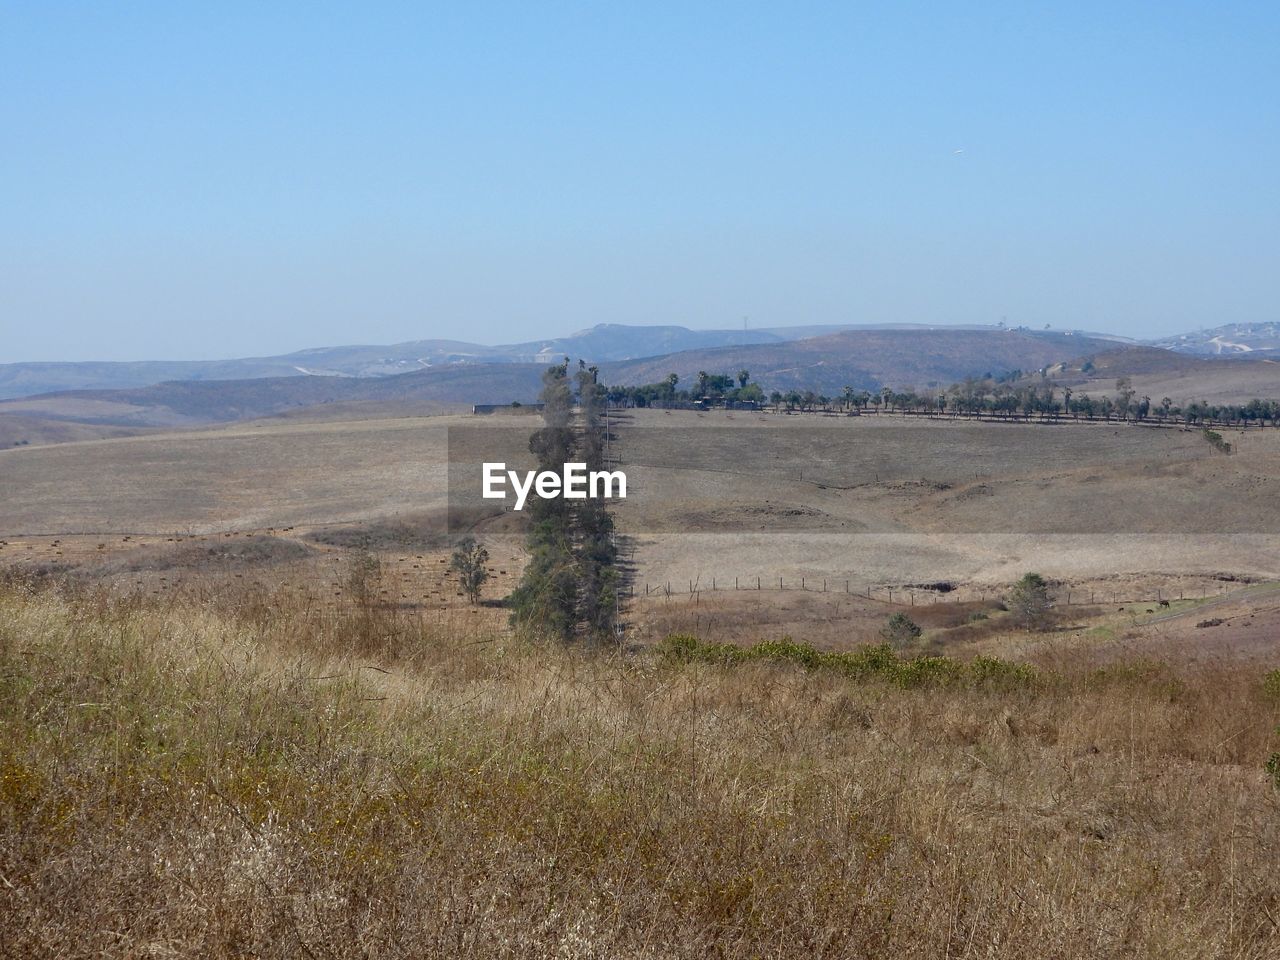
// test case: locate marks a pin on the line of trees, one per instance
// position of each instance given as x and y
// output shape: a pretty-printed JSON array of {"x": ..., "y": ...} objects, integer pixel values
[
  {"x": 708, "y": 388},
  {"x": 569, "y": 587},
  {"x": 996, "y": 397}
]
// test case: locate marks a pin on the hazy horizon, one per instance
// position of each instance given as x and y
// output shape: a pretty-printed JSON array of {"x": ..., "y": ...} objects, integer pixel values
[
  {"x": 187, "y": 183},
  {"x": 71, "y": 358}
]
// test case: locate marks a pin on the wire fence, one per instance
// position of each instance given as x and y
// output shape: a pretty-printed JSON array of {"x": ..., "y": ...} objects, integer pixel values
[
  {"x": 911, "y": 595},
  {"x": 426, "y": 581}
]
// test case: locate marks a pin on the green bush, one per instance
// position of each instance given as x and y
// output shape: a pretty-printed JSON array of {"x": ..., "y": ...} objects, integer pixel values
[
  {"x": 875, "y": 662},
  {"x": 786, "y": 649},
  {"x": 1271, "y": 685},
  {"x": 900, "y": 631},
  {"x": 1001, "y": 674},
  {"x": 685, "y": 648},
  {"x": 929, "y": 672}
]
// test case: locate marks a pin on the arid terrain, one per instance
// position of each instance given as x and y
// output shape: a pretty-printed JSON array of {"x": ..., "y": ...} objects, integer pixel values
[
  {"x": 741, "y": 524},
  {"x": 250, "y": 638}
]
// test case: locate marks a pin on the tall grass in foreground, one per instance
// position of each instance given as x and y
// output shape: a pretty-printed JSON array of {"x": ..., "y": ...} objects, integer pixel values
[{"x": 270, "y": 781}]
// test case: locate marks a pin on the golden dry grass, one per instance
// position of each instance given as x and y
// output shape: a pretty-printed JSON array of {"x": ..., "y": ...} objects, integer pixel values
[{"x": 258, "y": 779}]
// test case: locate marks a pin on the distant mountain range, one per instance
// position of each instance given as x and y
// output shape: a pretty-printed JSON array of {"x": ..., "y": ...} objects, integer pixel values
[
  {"x": 869, "y": 359},
  {"x": 863, "y": 359},
  {"x": 606, "y": 342},
  {"x": 358, "y": 382}
]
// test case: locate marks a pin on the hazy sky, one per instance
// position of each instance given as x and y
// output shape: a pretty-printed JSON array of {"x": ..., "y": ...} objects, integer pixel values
[{"x": 208, "y": 180}]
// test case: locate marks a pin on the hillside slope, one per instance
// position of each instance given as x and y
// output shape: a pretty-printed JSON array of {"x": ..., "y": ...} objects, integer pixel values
[
  {"x": 1232, "y": 339},
  {"x": 863, "y": 359},
  {"x": 868, "y": 359},
  {"x": 189, "y": 403},
  {"x": 603, "y": 342},
  {"x": 1159, "y": 373}
]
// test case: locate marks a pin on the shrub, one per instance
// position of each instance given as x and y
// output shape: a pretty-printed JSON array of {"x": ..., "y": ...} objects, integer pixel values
[
  {"x": 875, "y": 662},
  {"x": 1001, "y": 674},
  {"x": 1271, "y": 686},
  {"x": 786, "y": 649},
  {"x": 469, "y": 561},
  {"x": 1214, "y": 439},
  {"x": 685, "y": 648},
  {"x": 899, "y": 631},
  {"x": 928, "y": 672},
  {"x": 1030, "y": 604}
]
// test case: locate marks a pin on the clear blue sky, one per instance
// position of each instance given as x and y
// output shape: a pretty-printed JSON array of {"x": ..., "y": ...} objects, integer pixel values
[{"x": 208, "y": 180}]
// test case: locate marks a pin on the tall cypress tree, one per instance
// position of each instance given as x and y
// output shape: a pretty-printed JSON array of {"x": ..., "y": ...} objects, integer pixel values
[
  {"x": 547, "y": 597},
  {"x": 596, "y": 552},
  {"x": 570, "y": 583}
]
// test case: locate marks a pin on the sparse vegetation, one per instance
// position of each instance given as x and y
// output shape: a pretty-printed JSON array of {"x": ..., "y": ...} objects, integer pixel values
[
  {"x": 900, "y": 631},
  {"x": 1271, "y": 685},
  {"x": 877, "y": 662},
  {"x": 1215, "y": 440},
  {"x": 364, "y": 573},
  {"x": 182, "y": 781},
  {"x": 1029, "y": 602},
  {"x": 469, "y": 561}
]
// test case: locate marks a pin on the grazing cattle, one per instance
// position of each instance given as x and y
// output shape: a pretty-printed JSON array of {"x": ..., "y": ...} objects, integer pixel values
[{"x": 1164, "y": 603}]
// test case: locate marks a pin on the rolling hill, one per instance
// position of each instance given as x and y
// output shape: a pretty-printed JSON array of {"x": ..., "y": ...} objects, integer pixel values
[
  {"x": 196, "y": 402},
  {"x": 868, "y": 359},
  {"x": 1232, "y": 339},
  {"x": 861, "y": 358},
  {"x": 1182, "y": 377},
  {"x": 603, "y": 342}
]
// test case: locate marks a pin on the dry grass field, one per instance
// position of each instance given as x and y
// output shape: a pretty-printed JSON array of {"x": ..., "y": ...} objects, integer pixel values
[
  {"x": 261, "y": 777},
  {"x": 245, "y": 709},
  {"x": 715, "y": 498}
]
